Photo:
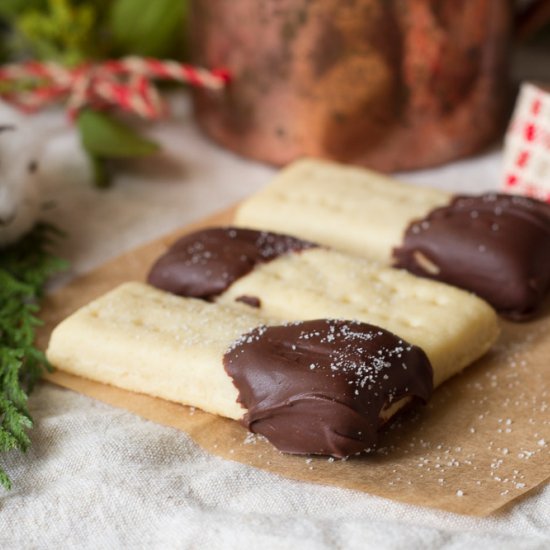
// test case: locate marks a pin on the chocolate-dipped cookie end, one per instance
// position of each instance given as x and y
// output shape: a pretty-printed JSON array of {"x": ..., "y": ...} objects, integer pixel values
[
  {"x": 205, "y": 263},
  {"x": 495, "y": 245},
  {"x": 323, "y": 386}
]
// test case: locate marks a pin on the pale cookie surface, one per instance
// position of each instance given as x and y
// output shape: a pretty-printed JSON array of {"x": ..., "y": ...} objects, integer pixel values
[
  {"x": 453, "y": 327},
  {"x": 352, "y": 209},
  {"x": 145, "y": 340}
]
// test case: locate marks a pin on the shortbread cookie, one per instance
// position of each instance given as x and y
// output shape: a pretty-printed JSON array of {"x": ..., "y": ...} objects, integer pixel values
[
  {"x": 288, "y": 279},
  {"x": 497, "y": 246},
  {"x": 350, "y": 209},
  {"x": 322, "y": 386}
]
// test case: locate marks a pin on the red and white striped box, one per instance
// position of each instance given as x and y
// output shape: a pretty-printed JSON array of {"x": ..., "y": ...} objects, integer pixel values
[{"x": 527, "y": 145}]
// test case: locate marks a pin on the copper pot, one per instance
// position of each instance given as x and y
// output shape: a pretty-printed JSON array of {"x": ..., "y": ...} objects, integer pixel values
[{"x": 390, "y": 84}]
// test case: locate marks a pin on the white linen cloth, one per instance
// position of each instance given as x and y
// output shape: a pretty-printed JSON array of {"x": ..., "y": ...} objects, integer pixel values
[{"x": 99, "y": 477}]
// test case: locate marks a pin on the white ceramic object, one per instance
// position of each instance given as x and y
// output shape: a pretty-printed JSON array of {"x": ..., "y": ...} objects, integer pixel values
[{"x": 20, "y": 197}]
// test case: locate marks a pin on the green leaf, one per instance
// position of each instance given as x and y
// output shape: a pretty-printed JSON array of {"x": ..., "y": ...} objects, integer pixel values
[
  {"x": 146, "y": 27},
  {"x": 104, "y": 137}
]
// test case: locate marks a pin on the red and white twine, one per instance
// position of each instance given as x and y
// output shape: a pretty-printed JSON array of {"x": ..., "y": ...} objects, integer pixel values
[{"x": 126, "y": 83}]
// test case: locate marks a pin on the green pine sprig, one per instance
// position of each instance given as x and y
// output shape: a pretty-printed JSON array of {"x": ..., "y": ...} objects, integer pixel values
[{"x": 24, "y": 269}]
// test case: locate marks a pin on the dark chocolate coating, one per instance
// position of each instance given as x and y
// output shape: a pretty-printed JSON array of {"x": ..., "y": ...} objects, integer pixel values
[
  {"x": 252, "y": 301},
  {"x": 318, "y": 387},
  {"x": 495, "y": 245},
  {"x": 205, "y": 263}
]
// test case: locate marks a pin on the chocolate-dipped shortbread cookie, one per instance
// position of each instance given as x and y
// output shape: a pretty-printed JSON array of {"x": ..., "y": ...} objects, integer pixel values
[
  {"x": 314, "y": 387},
  {"x": 495, "y": 245}
]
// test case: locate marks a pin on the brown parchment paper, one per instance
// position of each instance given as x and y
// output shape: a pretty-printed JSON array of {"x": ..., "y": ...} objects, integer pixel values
[{"x": 482, "y": 441}]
